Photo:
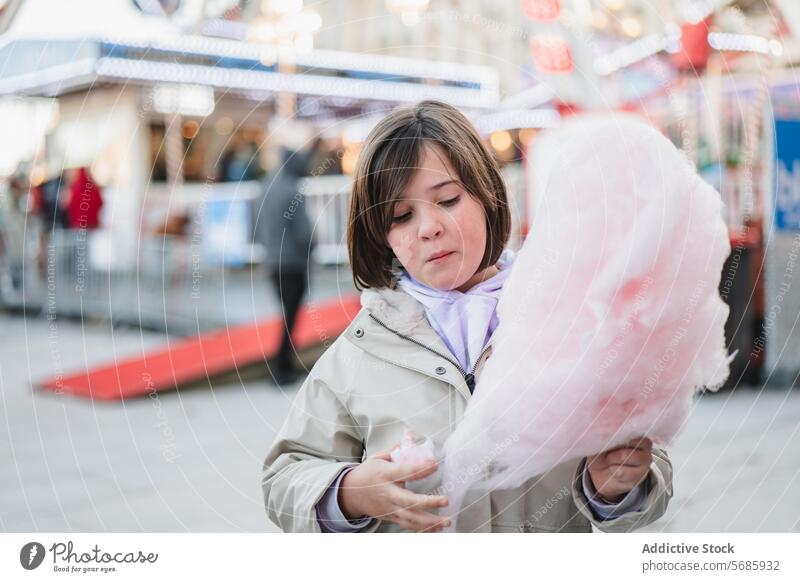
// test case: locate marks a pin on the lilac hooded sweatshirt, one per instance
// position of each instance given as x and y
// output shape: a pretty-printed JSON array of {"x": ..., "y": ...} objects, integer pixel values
[{"x": 464, "y": 321}]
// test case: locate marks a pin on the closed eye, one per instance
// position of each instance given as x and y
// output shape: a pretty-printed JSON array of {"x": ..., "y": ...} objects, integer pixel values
[
  {"x": 452, "y": 201},
  {"x": 401, "y": 218},
  {"x": 407, "y": 215}
]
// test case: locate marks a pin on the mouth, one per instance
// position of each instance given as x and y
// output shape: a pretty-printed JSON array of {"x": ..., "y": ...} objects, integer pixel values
[{"x": 440, "y": 256}]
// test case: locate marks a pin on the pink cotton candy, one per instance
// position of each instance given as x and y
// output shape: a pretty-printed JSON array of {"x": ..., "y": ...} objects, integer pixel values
[{"x": 611, "y": 319}]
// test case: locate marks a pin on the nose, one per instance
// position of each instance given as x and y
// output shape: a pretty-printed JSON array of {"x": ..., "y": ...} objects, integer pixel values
[{"x": 430, "y": 224}]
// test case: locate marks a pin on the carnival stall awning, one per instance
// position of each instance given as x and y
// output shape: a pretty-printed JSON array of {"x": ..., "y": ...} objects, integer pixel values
[{"x": 53, "y": 67}]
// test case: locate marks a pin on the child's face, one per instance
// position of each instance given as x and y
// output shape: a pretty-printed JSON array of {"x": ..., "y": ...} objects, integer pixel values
[{"x": 433, "y": 215}]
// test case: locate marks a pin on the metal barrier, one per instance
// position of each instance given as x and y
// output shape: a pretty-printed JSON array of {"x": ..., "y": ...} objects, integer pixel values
[
  {"x": 170, "y": 288},
  {"x": 327, "y": 200}
]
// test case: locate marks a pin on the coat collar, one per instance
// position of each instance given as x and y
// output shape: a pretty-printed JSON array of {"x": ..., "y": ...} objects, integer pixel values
[
  {"x": 395, "y": 308},
  {"x": 403, "y": 314}
]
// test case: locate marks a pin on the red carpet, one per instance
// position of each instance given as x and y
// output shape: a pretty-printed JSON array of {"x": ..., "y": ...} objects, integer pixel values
[{"x": 209, "y": 354}]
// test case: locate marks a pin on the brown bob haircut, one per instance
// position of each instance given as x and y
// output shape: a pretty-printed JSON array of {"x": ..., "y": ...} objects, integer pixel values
[{"x": 388, "y": 160}]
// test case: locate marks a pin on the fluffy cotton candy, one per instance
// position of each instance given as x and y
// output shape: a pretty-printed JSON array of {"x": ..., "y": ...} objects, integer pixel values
[{"x": 611, "y": 319}]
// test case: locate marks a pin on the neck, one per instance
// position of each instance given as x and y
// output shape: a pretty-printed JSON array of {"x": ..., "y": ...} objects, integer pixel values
[{"x": 478, "y": 277}]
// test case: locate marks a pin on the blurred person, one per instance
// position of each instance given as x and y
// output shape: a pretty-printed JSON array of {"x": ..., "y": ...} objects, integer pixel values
[
  {"x": 85, "y": 201},
  {"x": 49, "y": 206},
  {"x": 14, "y": 210},
  {"x": 327, "y": 160},
  {"x": 282, "y": 226},
  {"x": 240, "y": 163},
  {"x": 50, "y": 201},
  {"x": 19, "y": 186},
  {"x": 174, "y": 224}
]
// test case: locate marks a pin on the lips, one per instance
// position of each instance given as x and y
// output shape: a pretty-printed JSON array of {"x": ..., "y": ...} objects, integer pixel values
[{"x": 440, "y": 255}]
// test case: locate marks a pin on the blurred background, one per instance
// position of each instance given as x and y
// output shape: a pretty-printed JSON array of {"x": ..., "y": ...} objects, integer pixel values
[{"x": 139, "y": 139}]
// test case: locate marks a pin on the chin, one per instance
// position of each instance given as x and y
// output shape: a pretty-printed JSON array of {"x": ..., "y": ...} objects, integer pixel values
[
  {"x": 448, "y": 285},
  {"x": 435, "y": 283}
]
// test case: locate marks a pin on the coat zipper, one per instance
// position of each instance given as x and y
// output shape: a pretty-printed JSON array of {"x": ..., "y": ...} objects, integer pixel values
[{"x": 469, "y": 377}]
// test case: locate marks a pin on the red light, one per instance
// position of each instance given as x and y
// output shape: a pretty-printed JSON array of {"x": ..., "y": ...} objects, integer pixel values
[
  {"x": 541, "y": 9},
  {"x": 694, "y": 48},
  {"x": 552, "y": 54}
]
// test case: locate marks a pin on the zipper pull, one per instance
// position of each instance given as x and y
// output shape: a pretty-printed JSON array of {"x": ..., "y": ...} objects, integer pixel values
[{"x": 470, "y": 378}]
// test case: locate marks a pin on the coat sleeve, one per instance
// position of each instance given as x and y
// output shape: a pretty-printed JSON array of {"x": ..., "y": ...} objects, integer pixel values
[
  {"x": 317, "y": 441},
  {"x": 659, "y": 485}
]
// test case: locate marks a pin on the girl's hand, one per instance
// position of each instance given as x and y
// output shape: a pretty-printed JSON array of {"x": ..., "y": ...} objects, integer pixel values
[
  {"x": 616, "y": 471},
  {"x": 375, "y": 488}
]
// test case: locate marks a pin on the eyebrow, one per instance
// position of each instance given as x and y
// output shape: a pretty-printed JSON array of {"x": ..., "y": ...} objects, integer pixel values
[
  {"x": 442, "y": 184},
  {"x": 433, "y": 188}
]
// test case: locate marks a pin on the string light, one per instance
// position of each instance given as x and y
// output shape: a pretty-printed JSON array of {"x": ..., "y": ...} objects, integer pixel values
[
  {"x": 501, "y": 140},
  {"x": 599, "y": 20},
  {"x": 410, "y": 11},
  {"x": 242, "y": 79},
  {"x": 536, "y": 118},
  {"x": 184, "y": 99},
  {"x": 526, "y": 134},
  {"x": 723, "y": 41},
  {"x": 284, "y": 25},
  {"x": 282, "y": 6},
  {"x": 631, "y": 26},
  {"x": 696, "y": 12},
  {"x": 630, "y": 54},
  {"x": 190, "y": 129},
  {"x": 224, "y": 126},
  {"x": 323, "y": 59}
]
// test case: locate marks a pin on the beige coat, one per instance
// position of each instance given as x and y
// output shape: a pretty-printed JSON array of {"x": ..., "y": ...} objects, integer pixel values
[{"x": 369, "y": 386}]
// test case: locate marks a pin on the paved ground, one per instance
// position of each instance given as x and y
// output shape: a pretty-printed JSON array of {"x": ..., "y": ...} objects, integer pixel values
[
  {"x": 191, "y": 460},
  {"x": 184, "y": 461},
  {"x": 737, "y": 465}
]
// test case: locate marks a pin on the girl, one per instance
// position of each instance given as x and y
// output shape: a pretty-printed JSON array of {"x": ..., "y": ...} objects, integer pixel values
[{"x": 427, "y": 226}]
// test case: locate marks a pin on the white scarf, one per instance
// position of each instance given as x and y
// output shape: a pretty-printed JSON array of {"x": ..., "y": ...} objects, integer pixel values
[{"x": 464, "y": 321}]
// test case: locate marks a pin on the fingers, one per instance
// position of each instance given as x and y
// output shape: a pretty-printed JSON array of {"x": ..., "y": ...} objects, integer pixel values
[
  {"x": 628, "y": 457},
  {"x": 638, "y": 444},
  {"x": 642, "y": 443},
  {"x": 626, "y": 475},
  {"x": 623, "y": 456},
  {"x": 410, "y": 510},
  {"x": 409, "y": 500},
  {"x": 621, "y": 469},
  {"x": 619, "y": 481},
  {"x": 620, "y": 473},
  {"x": 413, "y": 472},
  {"x": 387, "y": 454}
]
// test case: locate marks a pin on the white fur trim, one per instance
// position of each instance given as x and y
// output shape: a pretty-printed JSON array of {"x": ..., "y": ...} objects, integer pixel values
[{"x": 394, "y": 307}]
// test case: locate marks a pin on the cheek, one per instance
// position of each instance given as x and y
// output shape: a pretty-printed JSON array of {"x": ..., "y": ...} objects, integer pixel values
[
  {"x": 472, "y": 229},
  {"x": 401, "y": 243}
]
